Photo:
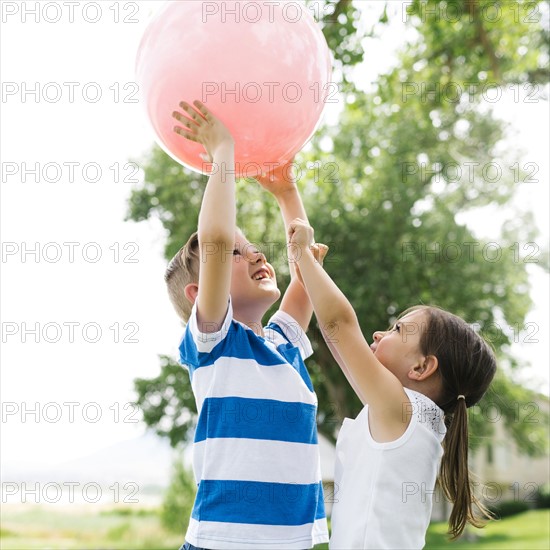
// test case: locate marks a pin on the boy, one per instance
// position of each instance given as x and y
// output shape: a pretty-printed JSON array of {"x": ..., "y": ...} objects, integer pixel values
[{"x": 256, "y": 458}]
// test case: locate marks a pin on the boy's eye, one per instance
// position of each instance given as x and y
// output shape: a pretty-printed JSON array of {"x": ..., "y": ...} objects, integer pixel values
[
  {"x": 236, "y": 252},
  {"x": 397, "y": 327}
]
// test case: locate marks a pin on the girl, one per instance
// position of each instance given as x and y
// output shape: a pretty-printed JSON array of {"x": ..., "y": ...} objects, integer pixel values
[{"x": 416, "y": 382}]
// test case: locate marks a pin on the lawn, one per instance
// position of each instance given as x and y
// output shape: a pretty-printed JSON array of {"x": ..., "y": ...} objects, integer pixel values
[
  {"x": 527, "y": 531},
  {"x": 34, "y": 527}
]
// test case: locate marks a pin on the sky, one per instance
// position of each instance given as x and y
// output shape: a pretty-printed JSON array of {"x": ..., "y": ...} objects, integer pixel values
[{"x": 84, "y": 309}]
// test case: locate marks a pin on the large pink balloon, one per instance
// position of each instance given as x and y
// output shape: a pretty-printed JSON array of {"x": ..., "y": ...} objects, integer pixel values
[{"x": 263, "y": 67}]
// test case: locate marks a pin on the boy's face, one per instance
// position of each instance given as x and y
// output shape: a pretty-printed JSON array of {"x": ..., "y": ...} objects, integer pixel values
[{"x": 253, "y": 280}]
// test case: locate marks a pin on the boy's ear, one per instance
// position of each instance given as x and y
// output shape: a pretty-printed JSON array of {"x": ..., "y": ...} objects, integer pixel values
[
  {"x": 191, "y": 291},
  {"x": 424, "y": 369}
]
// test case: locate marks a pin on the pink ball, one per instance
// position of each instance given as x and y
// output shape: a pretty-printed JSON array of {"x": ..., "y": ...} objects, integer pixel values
[{"x": 262, "y": 67}]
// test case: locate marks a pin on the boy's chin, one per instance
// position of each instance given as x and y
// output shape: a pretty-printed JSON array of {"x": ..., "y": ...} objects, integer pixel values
[{"x": 272, "y": 295}]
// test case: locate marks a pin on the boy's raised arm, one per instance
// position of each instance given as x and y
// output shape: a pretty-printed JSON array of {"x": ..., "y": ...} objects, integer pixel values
[
  {"x": 216, "y": 228},
  {"x": 281, "y": 184}
]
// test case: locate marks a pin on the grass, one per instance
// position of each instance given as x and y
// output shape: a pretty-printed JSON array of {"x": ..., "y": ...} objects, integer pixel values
[
  {"x": 35, "y": 527},
  {"x": 527, "y": 531}
]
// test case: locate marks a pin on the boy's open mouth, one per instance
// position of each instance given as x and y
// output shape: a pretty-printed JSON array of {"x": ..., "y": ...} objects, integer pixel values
[{"x": 262, "y": 273}]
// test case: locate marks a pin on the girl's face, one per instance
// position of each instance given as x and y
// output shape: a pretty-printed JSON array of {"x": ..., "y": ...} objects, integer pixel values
[{"x": 398, "y": 349}]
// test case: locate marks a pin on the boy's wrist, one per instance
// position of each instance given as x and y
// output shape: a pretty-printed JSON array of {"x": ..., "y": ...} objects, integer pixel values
[
  {"x": 226, "y": 147},
  {"x": 286, "y": 193}
]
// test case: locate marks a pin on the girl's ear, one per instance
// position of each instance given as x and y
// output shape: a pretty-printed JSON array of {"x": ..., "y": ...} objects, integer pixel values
[
  {"x": 424, "y": 369},
  {"x": 191, "y": 291}
]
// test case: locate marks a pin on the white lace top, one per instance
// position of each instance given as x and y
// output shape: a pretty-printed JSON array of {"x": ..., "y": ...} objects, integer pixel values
[{"x": 383, "y": 491}]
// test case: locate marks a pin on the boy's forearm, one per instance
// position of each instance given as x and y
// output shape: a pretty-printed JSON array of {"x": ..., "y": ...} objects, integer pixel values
[
  {"x": 291, "y": 207},
  {"x": 217, "y": 218}
]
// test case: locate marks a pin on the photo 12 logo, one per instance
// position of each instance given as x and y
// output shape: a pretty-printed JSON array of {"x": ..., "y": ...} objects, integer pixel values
[
  {"x": 69, "y": 492},
  {"x": 69, "y": 12},
  {"x": 238, "y": 11},
  {"x": 69, "y": 92}
]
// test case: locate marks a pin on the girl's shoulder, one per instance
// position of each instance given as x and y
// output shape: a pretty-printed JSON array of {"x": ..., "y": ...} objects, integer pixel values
[{"x": 427, "y": 413}]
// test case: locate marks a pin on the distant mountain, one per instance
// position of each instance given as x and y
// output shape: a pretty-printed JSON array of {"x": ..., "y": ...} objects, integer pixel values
[{"x": 145, "y": 460}]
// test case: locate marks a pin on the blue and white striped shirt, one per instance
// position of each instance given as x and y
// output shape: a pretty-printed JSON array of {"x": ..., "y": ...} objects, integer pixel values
[{"x": 255, "y": 455}]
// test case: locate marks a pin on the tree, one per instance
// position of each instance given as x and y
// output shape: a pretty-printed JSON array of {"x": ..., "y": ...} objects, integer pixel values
[{"x": 384, "y": 188}]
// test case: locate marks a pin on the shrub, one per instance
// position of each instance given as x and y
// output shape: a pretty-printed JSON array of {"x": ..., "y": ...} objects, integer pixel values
[
  {"x": 509, "y": 508},
  {"x": 542, "y": 499},
  {"x": 178, "y": 499}
]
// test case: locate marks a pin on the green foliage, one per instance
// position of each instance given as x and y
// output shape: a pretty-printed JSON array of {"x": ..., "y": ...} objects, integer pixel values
[
  {"x": 473, "y": 40},
  {"x": 509, "y": 508},
  {"x": 178, "y": 500},
  {"x": 167, "y": 401},
  {"x": 385, "y": 189},
  {"x": 543, "y": 497},
  {"x": 519, "y": 409}
]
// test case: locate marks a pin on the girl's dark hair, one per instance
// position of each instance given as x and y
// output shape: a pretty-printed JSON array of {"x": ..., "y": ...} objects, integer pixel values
[{"x": 467, "y": 366}]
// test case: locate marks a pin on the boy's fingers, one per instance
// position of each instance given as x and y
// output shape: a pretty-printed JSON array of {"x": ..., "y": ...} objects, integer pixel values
[
  {"x": 322, "y": 250},
  {"x": 183, "y": 119},
  {"x": 186, "y": 133},
  {"x": 191, "y": 112},
  {"x": 186, "y": 123},
  {"x": 204, "y": 111}
]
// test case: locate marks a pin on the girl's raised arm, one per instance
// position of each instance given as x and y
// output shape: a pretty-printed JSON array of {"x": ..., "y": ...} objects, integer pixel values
[{"x": 374, "y": 384}]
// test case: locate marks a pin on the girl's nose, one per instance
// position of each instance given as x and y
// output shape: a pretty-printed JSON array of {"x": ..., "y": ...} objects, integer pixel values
[{"x": 378, "y": 335}]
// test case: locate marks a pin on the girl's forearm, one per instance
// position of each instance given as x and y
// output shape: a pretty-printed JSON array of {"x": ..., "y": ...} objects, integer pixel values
[{"x": 330, "y": 304}]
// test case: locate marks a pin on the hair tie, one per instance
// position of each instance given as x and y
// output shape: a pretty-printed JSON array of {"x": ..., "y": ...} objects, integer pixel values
[{"x": 461, "y": 397}]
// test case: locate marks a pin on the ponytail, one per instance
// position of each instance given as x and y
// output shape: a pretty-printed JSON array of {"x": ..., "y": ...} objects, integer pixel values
[
  {"x": 454, "y": 475},
  {"x": 467, "y": 366}
]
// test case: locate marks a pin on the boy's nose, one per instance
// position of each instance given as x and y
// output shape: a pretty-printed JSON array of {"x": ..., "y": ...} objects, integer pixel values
[
  {"x": 257, "y": 257},
  {"x": 378, "y": 335}
]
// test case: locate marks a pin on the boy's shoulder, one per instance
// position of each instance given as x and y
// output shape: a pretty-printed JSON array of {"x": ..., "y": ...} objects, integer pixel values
[
  {"x": 283, "y": 329},
  {"x": 282, "y": 336}
]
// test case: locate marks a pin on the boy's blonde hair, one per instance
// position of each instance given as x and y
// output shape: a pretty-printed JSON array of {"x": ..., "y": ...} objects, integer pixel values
[{"x": 182, "y": 270}]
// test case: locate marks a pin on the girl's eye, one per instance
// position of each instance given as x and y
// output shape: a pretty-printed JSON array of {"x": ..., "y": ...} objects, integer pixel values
[
  {"x": 397, "y": 327},
  {"x": 236, "y": 252}
]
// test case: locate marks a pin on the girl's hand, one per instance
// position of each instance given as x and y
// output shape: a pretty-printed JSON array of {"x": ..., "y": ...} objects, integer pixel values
[
  {"x": 202, "y": 127},
  {"x": 300, "y": 236}
]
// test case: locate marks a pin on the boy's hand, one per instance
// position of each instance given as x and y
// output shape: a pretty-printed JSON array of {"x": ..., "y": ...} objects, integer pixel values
[
  {"x": 279, "y": 180},
  {"x": 319, "y": 251},
  {"x": 202, "y": 127}
]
